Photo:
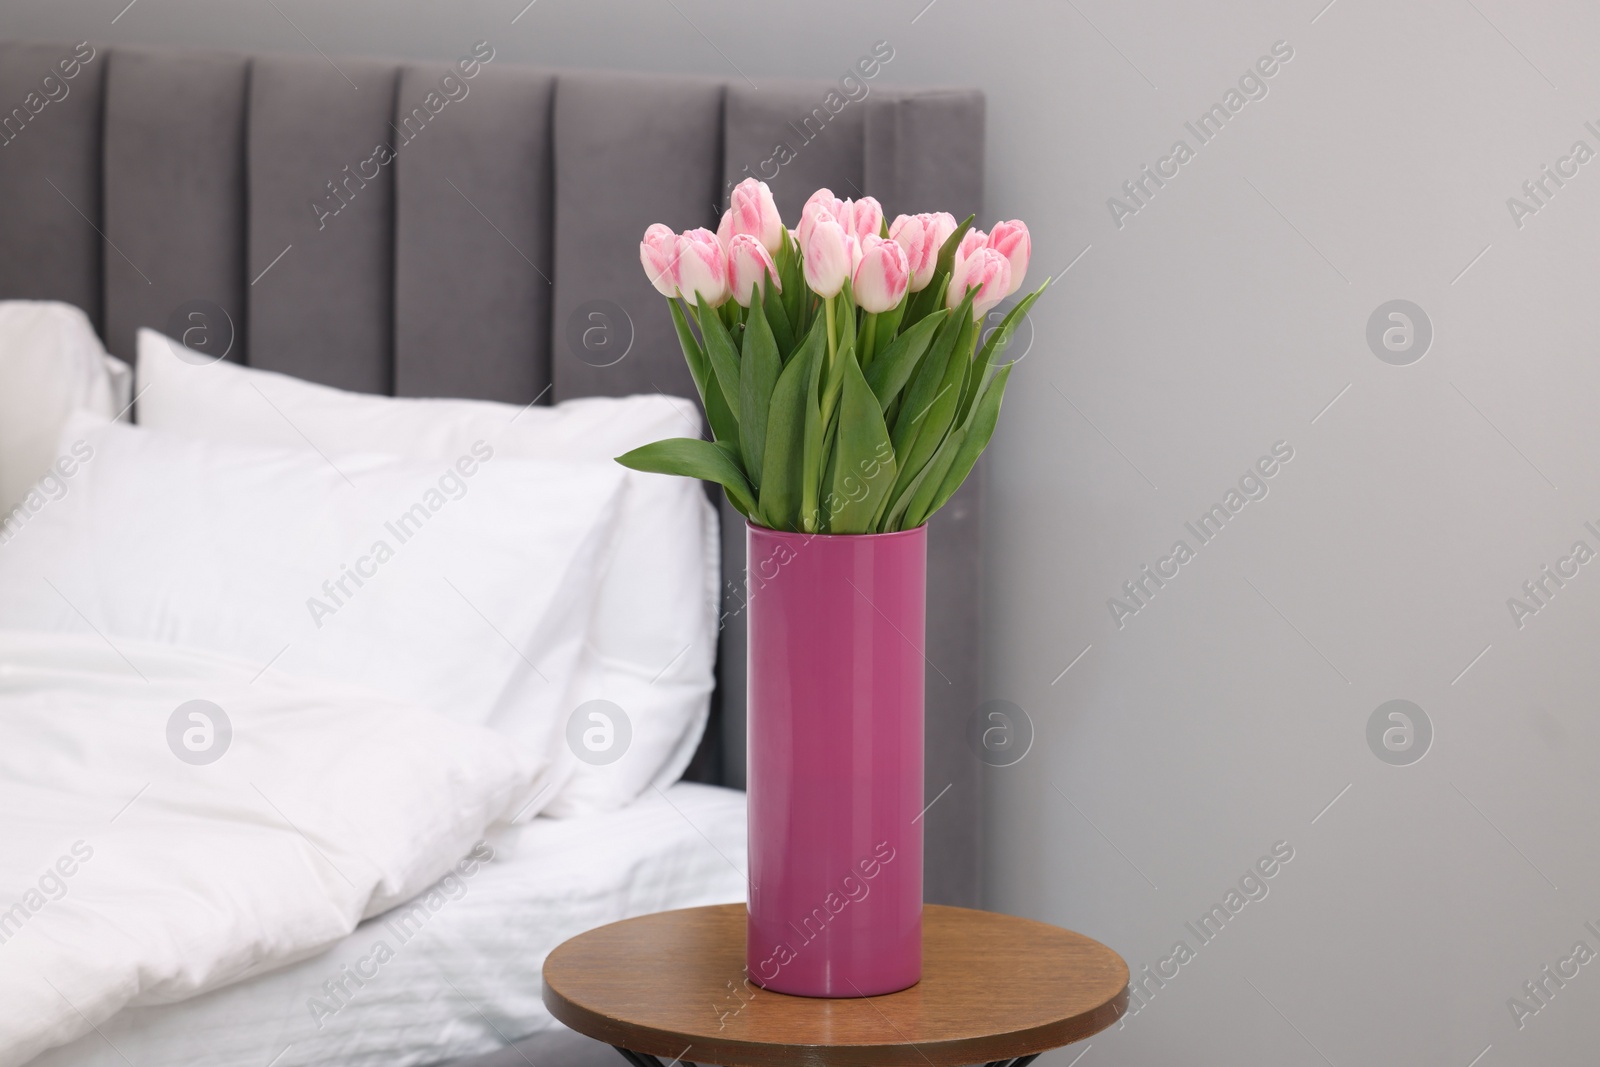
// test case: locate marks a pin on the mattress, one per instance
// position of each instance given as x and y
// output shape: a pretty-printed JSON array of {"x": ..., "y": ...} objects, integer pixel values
[{"x": 453, "y": 973}]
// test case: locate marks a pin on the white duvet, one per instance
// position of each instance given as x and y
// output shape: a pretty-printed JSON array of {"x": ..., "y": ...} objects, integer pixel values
[
  {"x": 456, "y": 972},
  {"x": 134, "y": 873}
]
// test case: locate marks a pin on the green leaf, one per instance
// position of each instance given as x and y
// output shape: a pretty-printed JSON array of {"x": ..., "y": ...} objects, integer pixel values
[
  {"x": 758, "y": 373},
  {"x": 795, "y": 294},
  {"x": 693, "y": 458},
  {"x": 998, "y": 339},
  {"x": 908, "y": 509},
  {"x": 778, "y": 320},
  {"x": 724, "y": 357},
  {"x": 834, "y": 378},
  {"x": 974, "y": 439},
  {"x": 724, "y": 427},
  {"x": 928, "y": 379},
  {"x": 693, "y": 354},
  {"x": 921, "y": 496},
  {"x": 863, "y": 466},
  {"x": 830, "y": 436},
  {"x": 846, "y": 317},
  {"x": 889, "y": 325},
  {"x": 783, "y": 469},
  {"x": 812, "y": 449},
  {"x": 947, "y": 257},
  {"x": 724, "y": 423},
  {"x": 927, "y": 424},
  {"x": 889, "y": 373}
]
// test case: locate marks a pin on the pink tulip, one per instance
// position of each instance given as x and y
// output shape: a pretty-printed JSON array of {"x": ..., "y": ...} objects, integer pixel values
[
  {"x": 657, "y": 252},
  {"x": 750, "y": 267},
  {"x": 753, "y": 212},
  {"x": 830, "y": 255},
  {"x": 922, "y": 236},
  {"x": 701, "y": 268},
  {"x": 970, "y": 243},
  {"x": 881, "y": 279},
  {"x": 1011, "y": 240},
  {"x": 986, "y": 270},
  {"x": 822, "y": 200},
  {"x": 861, "y": 218},
  {"x": 689, "y": 265}
]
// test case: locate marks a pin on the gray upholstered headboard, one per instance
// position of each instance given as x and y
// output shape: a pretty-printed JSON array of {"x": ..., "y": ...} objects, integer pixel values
[{"x": 468, "y": 259}]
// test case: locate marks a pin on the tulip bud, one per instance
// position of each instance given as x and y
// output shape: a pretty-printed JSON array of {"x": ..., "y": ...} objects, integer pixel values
[
  {"x": 657, "y": 252},
  {"x": 822, "y": 200},
  {"x": 829, "y": 257},
  {"x": 861, "y": 218},
  {"x": 922, "y": 236},
  {"x": 1011, "y": 239},
  {"x": 749, "y": 268},
  {"x": 881, "y": 279},
  {"x": 986, "y": 270},
  {"x": 753, "y": 212},
  {"x": 971, "y": 241},
  {"x": 700, "y": 267}
]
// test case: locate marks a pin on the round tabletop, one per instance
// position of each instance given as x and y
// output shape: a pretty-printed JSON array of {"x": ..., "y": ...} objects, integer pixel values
[{"x": 993, "y": 987}]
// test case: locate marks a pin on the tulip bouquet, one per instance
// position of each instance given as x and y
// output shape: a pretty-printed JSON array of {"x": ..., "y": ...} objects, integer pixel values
[{"x": 844, "y": 381}]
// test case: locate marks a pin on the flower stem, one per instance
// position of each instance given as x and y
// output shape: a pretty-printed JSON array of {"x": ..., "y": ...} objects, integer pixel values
[
  {"x": 833, "y": 343},
  {"x": 866, "y": 346}
]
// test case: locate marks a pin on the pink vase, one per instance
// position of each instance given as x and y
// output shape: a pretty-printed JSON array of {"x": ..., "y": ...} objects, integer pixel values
[{"x": 835, "y": 761}]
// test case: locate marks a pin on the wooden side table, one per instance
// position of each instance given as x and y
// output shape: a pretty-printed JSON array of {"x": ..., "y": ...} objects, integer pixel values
[{"x": 995, "y": 990}]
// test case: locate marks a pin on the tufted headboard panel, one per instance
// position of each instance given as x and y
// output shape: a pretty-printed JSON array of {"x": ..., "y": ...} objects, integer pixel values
[{"x": 402, "y": 228}]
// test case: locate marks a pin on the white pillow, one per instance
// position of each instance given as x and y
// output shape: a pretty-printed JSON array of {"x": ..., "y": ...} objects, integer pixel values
[
  {"x": 51, "y": 364},
  {"x": 462, "y": 585},
  {"x": 651, "y": 646}
]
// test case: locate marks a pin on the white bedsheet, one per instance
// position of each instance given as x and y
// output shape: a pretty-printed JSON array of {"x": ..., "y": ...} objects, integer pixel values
[
  {"x": 131, "y": 876},
  {"x": 461, "y": 979}
]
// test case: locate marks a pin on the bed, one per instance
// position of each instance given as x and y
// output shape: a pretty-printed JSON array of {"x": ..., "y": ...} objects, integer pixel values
[
  {"x": 493, "y": 257},
  {"x": 462, "y": 980}
]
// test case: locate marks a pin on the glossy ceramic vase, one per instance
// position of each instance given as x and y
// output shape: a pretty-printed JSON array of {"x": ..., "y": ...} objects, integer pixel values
[{"x": 835, "y": 761}]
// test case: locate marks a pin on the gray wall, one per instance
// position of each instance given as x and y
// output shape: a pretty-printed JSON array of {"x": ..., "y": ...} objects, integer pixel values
[{"x": 1223, "y": 317}]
